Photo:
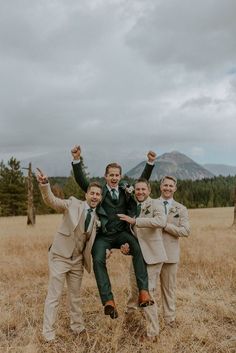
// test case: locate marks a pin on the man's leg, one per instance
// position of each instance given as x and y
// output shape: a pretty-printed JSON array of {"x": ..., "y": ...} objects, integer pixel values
[
  {"x": 100, "y": 269},
  {"x": 57, "y": 275},
  {"x": 74, "y": 280},
  {"x": 168, "y": 288},
  {"x": 140, "y": 268},
  {"x": 132, "y": 303},
  {"x": 151, "y": 312}
]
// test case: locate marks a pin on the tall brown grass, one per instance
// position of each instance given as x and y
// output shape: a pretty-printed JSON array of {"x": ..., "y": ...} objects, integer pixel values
[{"x": 206, "y": 298}]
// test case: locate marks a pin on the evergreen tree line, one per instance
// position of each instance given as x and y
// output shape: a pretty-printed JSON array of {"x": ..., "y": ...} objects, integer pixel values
[{"x": 214, "y": 192}]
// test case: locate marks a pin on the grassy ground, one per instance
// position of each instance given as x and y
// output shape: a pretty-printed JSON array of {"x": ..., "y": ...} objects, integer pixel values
[{"x": 206, "y": 294}]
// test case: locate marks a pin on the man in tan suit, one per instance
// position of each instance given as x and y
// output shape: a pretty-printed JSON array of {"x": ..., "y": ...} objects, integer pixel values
[
  {"x": 70, "y": 251},
  {"x": 147, "y": 227},
  {"x": 177, "y": 226}
]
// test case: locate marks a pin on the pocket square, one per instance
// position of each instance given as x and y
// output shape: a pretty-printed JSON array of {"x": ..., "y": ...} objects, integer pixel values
[{"x": 176, "y": 216}]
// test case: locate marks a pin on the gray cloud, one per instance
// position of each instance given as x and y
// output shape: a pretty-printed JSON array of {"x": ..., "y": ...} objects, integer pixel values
[
  {"x": 197, "y": 37},
  {"x": 119, "y": 78}
]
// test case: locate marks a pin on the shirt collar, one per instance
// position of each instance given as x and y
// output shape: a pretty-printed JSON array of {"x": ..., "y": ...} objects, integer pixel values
[
  {"x": 145, "y": 202},
  {"x": 87, "y": 207},
  {"x": 116, "y": 188},
  {"x": 169, "y": 201}
]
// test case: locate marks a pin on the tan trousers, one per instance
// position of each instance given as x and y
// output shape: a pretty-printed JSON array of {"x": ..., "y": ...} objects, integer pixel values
[
  {"x": 63, "y": 270},
  {"x": 168, "y": 290},
  {"x": 150, "y": 312}
]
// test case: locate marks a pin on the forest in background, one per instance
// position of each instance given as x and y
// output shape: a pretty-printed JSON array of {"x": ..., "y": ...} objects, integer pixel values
[{"x": 206, "y": 193}]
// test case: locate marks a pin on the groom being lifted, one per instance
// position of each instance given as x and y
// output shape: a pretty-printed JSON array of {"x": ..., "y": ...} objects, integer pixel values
[{"x": 113, "y": 231}]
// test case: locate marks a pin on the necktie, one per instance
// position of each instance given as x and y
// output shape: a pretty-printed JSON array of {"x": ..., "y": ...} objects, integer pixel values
[
  {"x": 88, "y": 219},
  {"x": 114, "y": 195},
  {"x": 165, "y": 205},
  {"x": 138, "y": 210}
]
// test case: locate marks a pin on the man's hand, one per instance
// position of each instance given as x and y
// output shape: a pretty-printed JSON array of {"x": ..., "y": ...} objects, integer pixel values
[
  {"x": 124, "y": 217},
  {"x": 76, "y": 152},
  {"x": 41, "y": 178},
  {"x": 108, "y": 253},
  {"x": 125, "y": 249},
  {"x": 151, "y": 156}
]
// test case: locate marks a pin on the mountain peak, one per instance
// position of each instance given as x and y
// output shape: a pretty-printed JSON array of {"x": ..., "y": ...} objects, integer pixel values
[
  {"x": 173, "y": 163},
  {"x": 174, "y": 157}
]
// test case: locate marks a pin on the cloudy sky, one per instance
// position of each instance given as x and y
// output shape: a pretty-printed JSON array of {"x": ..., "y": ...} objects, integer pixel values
[{"x": 118, "y": 77}]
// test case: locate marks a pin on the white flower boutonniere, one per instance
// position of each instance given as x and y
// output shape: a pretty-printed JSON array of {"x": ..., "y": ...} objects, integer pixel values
[
  {"x": 173, "y": 209},
  {"x": 98, "y": 223},
  {"x": 127, "y": 187}
]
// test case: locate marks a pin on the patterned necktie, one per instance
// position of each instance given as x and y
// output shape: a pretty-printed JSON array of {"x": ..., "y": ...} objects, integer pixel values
[
  {"x": 88, "y": 219},
  {"x": 165, "y": 205},
  {"x": 138, "y": 210},
  {"x": 114, "y": 195}
]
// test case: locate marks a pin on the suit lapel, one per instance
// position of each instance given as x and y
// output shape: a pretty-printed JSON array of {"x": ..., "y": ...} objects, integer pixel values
[
  {"x": 173, "y": 210},
  {"x": 104, "y": 192},
  {"x": 147, "y": 207},
  {"x": 78, "y": 217}
]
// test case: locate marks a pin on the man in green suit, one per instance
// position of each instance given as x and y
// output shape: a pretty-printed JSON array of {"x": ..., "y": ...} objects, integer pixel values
[{"x": 113, "y": 231}]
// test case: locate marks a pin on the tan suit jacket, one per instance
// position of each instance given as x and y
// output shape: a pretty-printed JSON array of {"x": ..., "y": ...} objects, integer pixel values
[
  {"x": 148, "y": 229},
  {"x": 73, "y": 210},
  {"x": 177, "y": 226}
]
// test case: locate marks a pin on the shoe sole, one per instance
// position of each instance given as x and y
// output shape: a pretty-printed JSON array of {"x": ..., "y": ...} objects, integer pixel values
[
  {"x": 144, "y": 304},
  {"x": 110, "y": 310}
]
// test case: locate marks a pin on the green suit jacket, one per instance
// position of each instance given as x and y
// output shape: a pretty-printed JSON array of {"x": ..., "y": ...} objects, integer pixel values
[{"x": 131, "y": 204}]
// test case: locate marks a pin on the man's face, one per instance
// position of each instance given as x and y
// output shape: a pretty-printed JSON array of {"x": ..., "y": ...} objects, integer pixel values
[
  {"x": 168, "y": 189},
  {"x": 141, "y": 191},
  {"x": 93, "y": 196},
  {"x": 113, "y": 177}
]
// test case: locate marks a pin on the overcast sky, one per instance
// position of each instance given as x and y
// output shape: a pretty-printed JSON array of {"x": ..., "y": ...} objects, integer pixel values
[{"x": 118, "y": 77}]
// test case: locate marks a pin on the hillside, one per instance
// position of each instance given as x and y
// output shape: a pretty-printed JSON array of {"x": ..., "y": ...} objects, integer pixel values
[
  {"x": 173, "y": 163},
  {"x": 220, "y": 169}
]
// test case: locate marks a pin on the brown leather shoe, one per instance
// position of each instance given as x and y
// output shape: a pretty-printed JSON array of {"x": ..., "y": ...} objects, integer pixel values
[
  {"x": 145, "y": 338},
  {"x": 110, "y": 309},
  {"x": 172, "y": 324},
  {"x": 145, "y": 299}
]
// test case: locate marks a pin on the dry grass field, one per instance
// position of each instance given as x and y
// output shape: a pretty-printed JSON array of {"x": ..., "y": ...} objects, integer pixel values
[{"x": 206, "y": 295}]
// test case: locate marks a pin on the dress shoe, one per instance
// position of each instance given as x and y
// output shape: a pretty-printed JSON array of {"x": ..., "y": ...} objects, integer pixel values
[
  {"x": 172, "y": 324},
  {"x": 110, "y": 309},
  {"x": 49, "y": 339},
  {"x": 82, "y": 336},
  {"x": 145, "y": 299},
  {"x": 145, "y": 339}
]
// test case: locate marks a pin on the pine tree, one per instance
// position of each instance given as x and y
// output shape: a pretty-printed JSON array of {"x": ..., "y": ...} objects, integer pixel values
[{"x": 13, "y": 195}]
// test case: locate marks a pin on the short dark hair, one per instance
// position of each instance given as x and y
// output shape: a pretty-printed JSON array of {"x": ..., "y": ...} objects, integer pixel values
[
  {"x": 143, "y": 180},
  {"x": 113, "y": 165},
  {"x": 169, "y": 177},
  {"x": 94, "y": 184}
]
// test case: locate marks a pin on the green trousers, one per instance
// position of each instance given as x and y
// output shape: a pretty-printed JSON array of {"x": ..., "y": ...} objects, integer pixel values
[{"x": 114, "y": 241}]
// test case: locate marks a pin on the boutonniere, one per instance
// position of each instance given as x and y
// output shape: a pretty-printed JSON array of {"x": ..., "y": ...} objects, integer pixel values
[
  {"x": 147, "y": 210},
  {"x": 98, "y": 223},
  {"x": 127, "y": 187},
  {"x": 173, "y": 210}
]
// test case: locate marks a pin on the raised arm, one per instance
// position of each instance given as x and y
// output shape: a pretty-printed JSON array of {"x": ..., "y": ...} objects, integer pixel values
[
  {"x": 79, "y": 175},
  {"x": 48, "y": 197},
  {"x": 149, "y": 165}
]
